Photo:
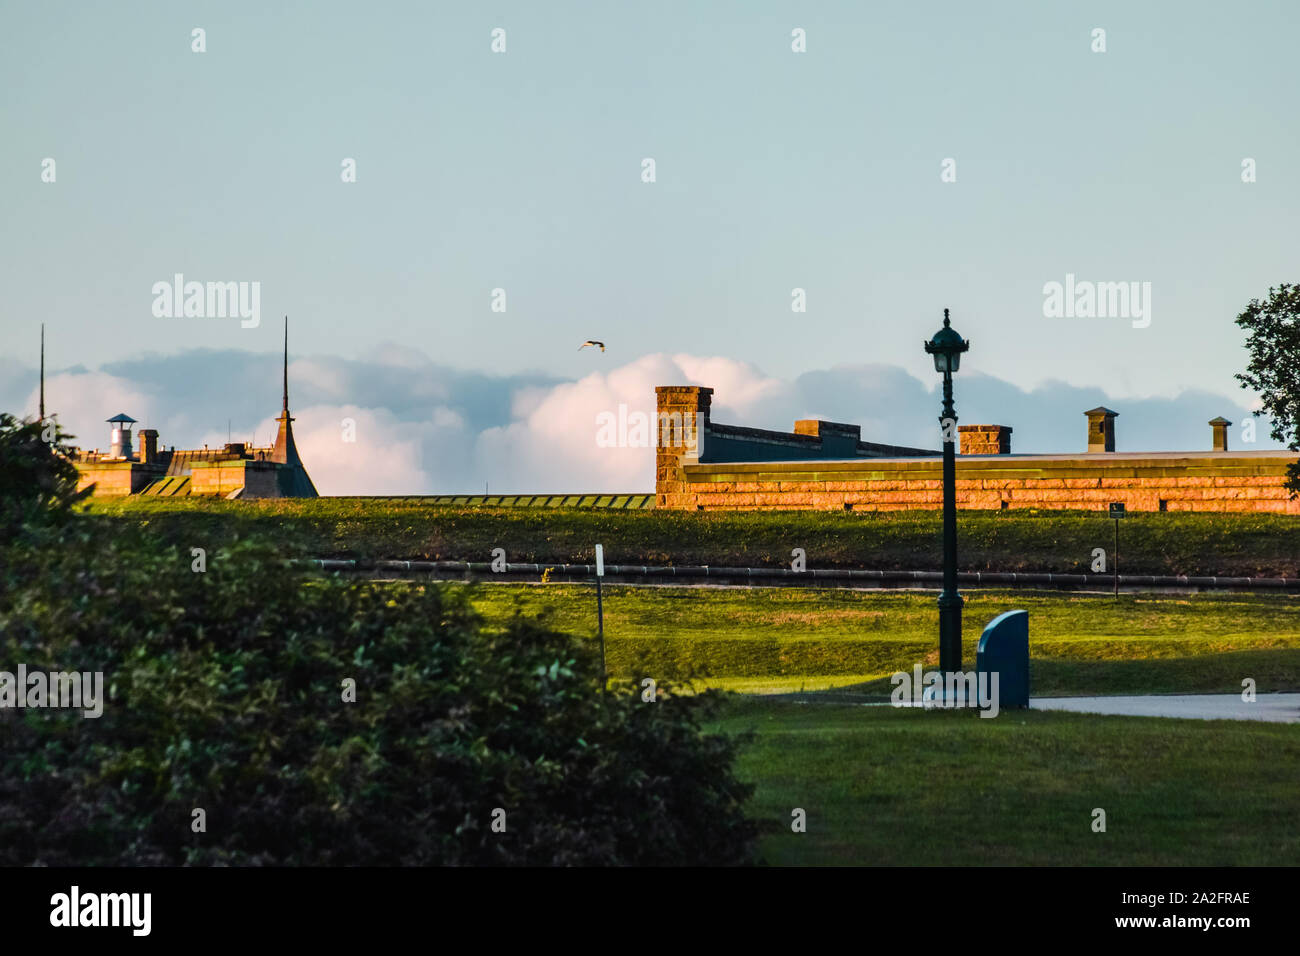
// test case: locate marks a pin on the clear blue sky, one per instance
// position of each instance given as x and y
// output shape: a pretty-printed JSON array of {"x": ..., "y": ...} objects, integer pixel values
[{"x": 775, "y": 170}]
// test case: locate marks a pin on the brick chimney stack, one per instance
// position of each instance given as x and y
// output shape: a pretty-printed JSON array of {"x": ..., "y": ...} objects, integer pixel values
[
  {"x": 1101, "y": 429},
  {"x": 1220, "y": 433},
  {"x": 682, "y": 419},
  {"x": 149, "y": 446}
]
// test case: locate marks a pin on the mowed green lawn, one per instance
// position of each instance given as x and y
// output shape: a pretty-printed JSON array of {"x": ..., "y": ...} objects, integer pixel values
[
  {"x": 908, "y": 787},
  {"x": 890, "y": 786},
  {"x": 788, "y": 639}
]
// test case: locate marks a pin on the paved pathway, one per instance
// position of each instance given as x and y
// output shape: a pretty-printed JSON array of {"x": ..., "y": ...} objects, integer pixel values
[{"x": 1274, "y": 708}]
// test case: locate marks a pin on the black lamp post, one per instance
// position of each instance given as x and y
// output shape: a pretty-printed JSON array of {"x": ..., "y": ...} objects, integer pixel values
[{"x": 946, "y": 347}]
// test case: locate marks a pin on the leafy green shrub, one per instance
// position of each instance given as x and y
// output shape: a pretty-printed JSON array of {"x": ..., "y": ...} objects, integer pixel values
[{"x": 225, "y": 692}]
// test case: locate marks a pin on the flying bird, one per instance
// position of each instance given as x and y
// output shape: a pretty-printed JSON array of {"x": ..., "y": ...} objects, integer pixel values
[{"x": 591, "y": 342}]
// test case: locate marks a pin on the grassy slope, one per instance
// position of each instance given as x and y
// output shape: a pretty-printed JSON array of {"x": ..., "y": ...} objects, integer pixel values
[
  {"x": 773, "y": 639},
  {"x": 1169, "y": 543},
  {"x": 905, "y": 787}
]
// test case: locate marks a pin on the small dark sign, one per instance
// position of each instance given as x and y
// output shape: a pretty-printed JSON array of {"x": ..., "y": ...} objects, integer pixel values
[{"x": 1117, "y": 509}]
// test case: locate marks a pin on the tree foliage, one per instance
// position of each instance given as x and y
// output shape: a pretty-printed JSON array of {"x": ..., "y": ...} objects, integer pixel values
[
  {"x": 38, "y": 482},
  {"x": 225, "y": 692},
  {"x": 1273, "y": 340}
]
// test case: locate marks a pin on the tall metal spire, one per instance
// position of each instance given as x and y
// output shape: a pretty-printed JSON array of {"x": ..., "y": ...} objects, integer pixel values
[
  {"x": 42, "y": 372},
  {"x": 292, "y": 482},
  {"x": 285, "y": 407},
  {"x": 285, "y": 451}
]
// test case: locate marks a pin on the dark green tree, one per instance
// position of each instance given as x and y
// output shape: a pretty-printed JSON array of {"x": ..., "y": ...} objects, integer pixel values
[
  {"x": 38, "y": 481},
  {"x": 1273, "y": 340}
]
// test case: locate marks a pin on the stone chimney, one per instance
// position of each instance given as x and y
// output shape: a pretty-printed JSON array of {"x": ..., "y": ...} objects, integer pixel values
[
  {"x": 149, "y": 446},
  {"x": 1101, "y": 429},
  {"x": 1220, "y": 433},
  {"x": 682, "y": 421},
  {"x": 985, "y": 439}
]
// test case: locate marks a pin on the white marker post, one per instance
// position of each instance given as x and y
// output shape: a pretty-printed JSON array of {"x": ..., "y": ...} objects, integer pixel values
[
  {"x": 600, "y": 611},
  {"x": 1116, "y": 512}
]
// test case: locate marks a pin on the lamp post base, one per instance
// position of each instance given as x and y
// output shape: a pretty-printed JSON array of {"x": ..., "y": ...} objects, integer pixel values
[{"x": 950, "y": 605}]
